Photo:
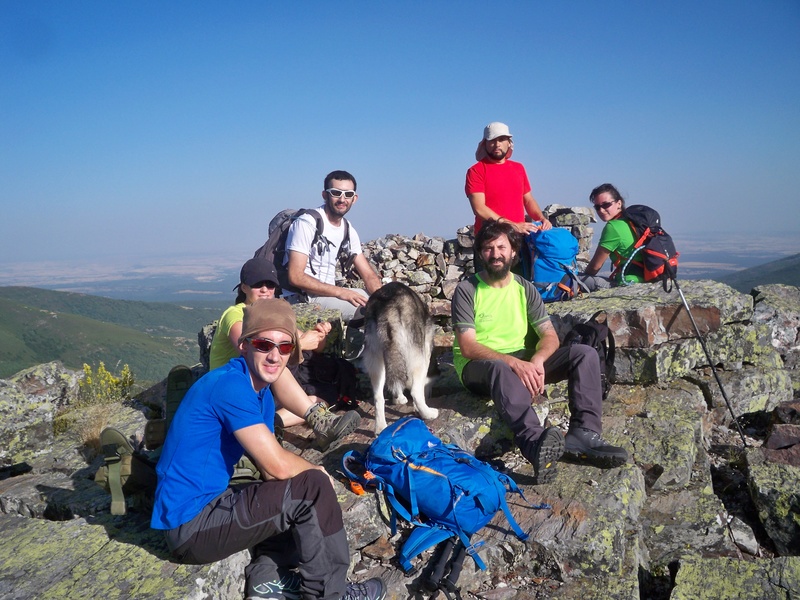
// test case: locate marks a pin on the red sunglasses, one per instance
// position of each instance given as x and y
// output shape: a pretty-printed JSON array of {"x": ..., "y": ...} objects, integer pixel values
[{"x": 265, "y": 345}]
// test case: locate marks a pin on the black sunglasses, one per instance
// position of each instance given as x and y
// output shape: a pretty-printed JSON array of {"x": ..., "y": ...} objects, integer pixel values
[
  {"x": 270, "y": 285},
  {"x": 265, "y": 345},
  {"x": 604, "y": 205}
]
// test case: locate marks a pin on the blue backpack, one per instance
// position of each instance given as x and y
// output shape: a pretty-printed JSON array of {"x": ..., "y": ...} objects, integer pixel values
[
  {"x": 551, "y": 263},
  {"x": 438, "y": 487}
]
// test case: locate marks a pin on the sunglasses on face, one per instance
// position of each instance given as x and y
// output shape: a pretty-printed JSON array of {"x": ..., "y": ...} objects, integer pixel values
[
  {"x": 270, "y": 285},
  {"x": 338, "y": 193},
  {"x": 604, "y": 205},
  {"x": 266, "y": 346}
]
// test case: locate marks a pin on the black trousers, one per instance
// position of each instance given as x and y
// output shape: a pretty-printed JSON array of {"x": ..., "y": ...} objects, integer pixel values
[
  {"x": 285, "y": 524},
  {"x": 578, "y": 364}
]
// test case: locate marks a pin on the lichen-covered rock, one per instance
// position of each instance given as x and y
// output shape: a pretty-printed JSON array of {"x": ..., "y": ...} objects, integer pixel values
[
  {"x": 778, "y": 307},
  {"x": 729, "y": 578},
  {"x": 730, "y": 347},
  {"x": 748, "y": 390},
  {"x": 775, "y": 490},
  {"x": 692, "y": 516},
  {"x": 644, "y": 315},
  {"x": 99, "y": 559},
  {"x": 28, "y": 403},
  {"x": 665, "y": 432}
]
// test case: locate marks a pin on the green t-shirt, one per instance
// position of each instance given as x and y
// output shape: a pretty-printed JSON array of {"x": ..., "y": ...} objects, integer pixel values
[
  {"x": 500, "y": 316},
  {"x": 617, "y": 238},
  {"x": 221, "y": 348}
]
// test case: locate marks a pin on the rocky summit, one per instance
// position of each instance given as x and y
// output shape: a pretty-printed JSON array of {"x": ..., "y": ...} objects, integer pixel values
[{"x": 706, "y": 507}]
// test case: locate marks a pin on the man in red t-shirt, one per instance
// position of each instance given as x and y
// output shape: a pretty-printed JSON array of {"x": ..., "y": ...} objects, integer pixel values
[{"x": 497, "y": 187}]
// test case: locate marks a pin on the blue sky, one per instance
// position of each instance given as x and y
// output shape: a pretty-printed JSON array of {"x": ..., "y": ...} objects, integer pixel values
[{"x": 143, "y": 130}]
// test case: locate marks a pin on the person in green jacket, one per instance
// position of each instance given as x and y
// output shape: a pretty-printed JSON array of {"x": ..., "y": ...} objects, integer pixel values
[{"x": 616, "y": 240}]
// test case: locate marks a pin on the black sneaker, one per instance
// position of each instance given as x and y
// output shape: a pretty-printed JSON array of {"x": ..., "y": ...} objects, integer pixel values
[
  {"x": 587, "y": 446},
  {"x": 548, "y": 451},
  {"x": 371, "y": 589},
  {"x": 284, "y": 587}
]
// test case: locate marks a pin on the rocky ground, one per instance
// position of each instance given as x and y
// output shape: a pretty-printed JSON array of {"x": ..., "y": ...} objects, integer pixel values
[{"x": 692, "y": 515}]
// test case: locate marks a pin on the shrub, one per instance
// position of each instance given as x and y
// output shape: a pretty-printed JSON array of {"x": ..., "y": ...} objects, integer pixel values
[
  {"x": 102, "y": 387},
  {"x": 100, "y": 396}
]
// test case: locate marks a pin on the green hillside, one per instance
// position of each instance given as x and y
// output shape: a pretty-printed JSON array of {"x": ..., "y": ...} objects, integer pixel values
[
  {"x": 160, "y": 318},
  {"x": 785, "y": 270},
  {"x": 38, "y": 326}
]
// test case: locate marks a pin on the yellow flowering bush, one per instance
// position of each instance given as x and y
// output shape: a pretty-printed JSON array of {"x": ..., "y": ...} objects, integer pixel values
[{"x": 101, "y": 387}]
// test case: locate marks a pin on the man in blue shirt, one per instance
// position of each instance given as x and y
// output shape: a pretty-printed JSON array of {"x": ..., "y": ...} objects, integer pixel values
[{"x": 292, "y": 519}]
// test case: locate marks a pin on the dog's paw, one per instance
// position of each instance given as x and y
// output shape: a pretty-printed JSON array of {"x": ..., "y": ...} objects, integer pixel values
[
  {"x": 428, "y": 413},
  {"x": 401, "y": 399},
  {"x": 380, "y": 425}
]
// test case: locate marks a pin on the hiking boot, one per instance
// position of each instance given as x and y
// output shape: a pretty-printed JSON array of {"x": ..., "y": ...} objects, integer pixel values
[
  {"x": 371, "y": 589},
  {"x": 549, "y": 449},
  {"x": 587, "y": 445},
  {"x": 329, "y": 427},
  {"x": 286, "y": 587}
]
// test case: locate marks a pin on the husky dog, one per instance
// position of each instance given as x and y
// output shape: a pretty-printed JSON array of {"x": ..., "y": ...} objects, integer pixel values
[{"x": 397, "y": 348}]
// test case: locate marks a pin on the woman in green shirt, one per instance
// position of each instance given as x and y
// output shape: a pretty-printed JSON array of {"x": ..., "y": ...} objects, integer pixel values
[{"x": 616, "y": 240}]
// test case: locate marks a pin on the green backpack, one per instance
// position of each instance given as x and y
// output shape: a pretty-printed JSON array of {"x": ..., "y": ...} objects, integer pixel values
[{"x": 132, "y": 473}]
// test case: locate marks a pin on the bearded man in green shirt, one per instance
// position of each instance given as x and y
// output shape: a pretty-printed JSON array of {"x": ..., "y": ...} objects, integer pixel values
[{"x": 493, "y": 312}]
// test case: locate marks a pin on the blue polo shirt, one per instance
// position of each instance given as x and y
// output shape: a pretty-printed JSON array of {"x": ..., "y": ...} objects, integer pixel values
[{"x": 201, "y": 450}]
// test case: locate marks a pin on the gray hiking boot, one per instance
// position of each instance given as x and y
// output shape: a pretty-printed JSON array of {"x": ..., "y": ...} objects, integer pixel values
[
  {"x": 548, "y": 451},
  {"x": 587, "y": 445},
  {"x": 329, "y": 427},
  {"x": 371, "y": 589}
]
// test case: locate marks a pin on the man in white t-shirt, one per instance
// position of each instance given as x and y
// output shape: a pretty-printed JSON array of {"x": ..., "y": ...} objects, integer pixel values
[{"x": 312, "y": 267}]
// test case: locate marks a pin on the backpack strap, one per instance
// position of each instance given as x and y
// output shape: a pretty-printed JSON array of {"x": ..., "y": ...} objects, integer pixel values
[{"x": 116, "y": 450}]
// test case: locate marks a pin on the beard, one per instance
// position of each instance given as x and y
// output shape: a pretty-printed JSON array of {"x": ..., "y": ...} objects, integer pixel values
[
  {"x": 498, "y": 271},
  {"x": 497, "y": 154},
  {"x": 330, "y": 205}
]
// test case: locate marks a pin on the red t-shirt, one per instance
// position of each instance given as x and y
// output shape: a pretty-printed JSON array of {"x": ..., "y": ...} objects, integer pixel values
[{"x": 503, "y": 184}]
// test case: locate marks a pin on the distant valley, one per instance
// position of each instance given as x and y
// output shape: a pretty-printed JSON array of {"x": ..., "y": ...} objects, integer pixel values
[{"x": 38, "y": 326}]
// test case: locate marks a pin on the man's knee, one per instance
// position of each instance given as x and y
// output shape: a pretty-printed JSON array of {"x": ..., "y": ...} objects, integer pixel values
[
  {"x": 585, "y": 358},
  {"x": 314, "y": 486}
]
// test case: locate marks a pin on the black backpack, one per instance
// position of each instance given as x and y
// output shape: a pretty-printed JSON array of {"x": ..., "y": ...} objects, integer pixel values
[
  {"x": 595, "y": 333},
  {"x": 274, "y": 249},
  {"x": 654, "y": 252}
]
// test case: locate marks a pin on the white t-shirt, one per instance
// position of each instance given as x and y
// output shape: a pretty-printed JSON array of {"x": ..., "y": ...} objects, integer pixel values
[{"x": 321, "y": 262}]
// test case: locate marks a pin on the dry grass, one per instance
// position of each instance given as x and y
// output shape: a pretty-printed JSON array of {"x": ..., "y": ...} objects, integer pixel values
[{"x": 92, "y": 420}]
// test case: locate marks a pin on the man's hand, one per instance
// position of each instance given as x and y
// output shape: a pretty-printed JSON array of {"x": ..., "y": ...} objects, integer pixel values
[
  {"x": 543, "y": 227},
  {"x": 531, "y": 373},
  {"x": 351, "y": 296}
]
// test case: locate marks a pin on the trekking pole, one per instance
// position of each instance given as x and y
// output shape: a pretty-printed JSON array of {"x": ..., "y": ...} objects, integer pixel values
[
  {"x": 710, "y": 361},
  {"x": 449, "y": 584},
  {"x": 438, "y": 565}
]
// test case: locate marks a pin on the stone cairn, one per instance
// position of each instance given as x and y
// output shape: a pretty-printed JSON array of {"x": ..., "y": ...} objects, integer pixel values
[{"x": 433, "y": 266}]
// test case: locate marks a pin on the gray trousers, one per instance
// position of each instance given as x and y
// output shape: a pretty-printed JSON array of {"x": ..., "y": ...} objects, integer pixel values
[
  {"x": 578, "y": 364},
  {"x": 285, "y": 524}
]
